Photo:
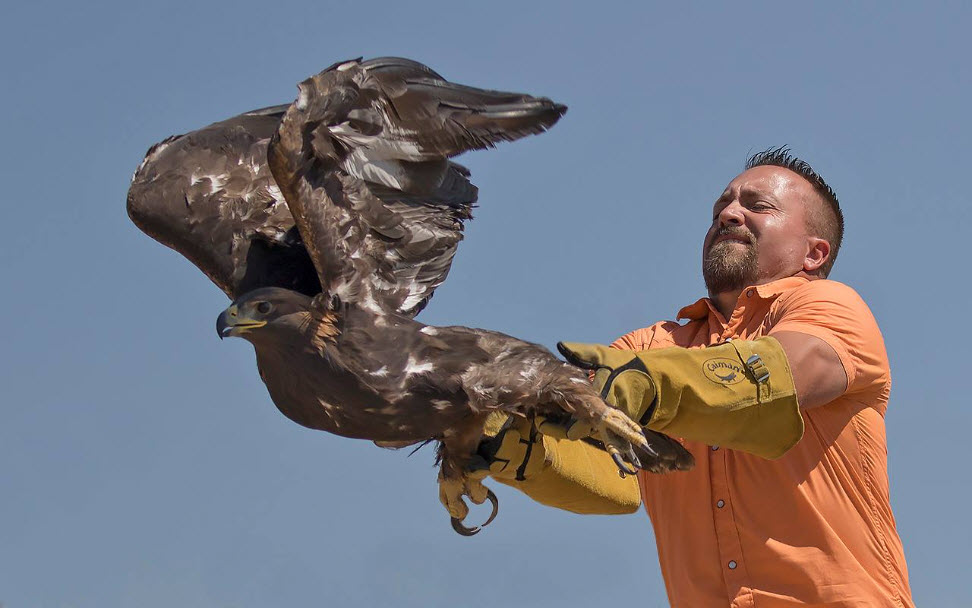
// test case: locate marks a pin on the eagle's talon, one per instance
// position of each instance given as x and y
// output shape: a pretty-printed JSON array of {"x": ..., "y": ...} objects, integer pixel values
[
  {"x": 461, "y": 529},
  {"x": 453, "y": 490},
  {"x": 495, "y": 502},
  {"x": 458, "y": 526},
  {"x": 623, "y": 466}
]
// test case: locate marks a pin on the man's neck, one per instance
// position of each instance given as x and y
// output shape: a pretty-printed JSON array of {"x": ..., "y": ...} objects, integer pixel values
[{"x": 725, "y": 301}]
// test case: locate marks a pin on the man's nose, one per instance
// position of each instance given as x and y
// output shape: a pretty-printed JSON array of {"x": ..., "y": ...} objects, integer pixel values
[{"x": 732, "y": 215}]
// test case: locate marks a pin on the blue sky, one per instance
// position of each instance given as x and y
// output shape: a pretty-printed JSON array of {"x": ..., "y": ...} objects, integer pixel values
[{"x": 141, "y": 460}]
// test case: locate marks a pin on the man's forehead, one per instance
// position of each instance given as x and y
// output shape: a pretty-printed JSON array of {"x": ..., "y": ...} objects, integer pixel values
[{"x": 770, "y": 179}]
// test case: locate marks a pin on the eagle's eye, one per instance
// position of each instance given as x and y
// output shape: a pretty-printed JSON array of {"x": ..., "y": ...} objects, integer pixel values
[{"x": 264, "y": 307}]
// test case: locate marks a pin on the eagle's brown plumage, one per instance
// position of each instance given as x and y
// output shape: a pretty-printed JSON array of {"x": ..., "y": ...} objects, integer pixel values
[
  {"x": 210, "y": 196},
  {"x": 362, "y": 160}
]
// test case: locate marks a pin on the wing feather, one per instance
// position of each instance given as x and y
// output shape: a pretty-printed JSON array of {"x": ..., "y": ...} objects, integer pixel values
[
  {"x": 209, "y": 195},
  {"x": 362, "y": 160}
]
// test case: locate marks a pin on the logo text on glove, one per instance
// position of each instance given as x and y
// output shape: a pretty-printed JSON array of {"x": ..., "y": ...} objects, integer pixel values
[{"x": 724, "y": 371}]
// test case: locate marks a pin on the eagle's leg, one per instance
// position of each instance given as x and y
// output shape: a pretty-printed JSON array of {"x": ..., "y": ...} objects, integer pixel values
[{"x": 454, "y": 481}]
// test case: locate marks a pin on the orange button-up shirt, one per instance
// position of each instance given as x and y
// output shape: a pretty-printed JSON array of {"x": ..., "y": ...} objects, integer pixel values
[{"x": 813, "y": 527}]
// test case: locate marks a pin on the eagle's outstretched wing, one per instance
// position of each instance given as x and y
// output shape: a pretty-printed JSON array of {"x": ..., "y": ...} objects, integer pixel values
[
  {"x": 210, "y": 196},
  {"x": 362, "y": 158}
]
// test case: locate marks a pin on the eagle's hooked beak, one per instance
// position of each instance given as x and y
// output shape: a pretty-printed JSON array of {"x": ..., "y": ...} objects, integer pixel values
[{"x": 232, "y": 323}]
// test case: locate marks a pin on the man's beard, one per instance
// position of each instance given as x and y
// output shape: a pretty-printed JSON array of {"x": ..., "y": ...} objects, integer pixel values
[{"x": 725, "y": 268}]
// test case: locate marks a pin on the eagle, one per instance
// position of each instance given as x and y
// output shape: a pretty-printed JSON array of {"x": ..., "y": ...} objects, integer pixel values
[{"x": 329, "y": 223}]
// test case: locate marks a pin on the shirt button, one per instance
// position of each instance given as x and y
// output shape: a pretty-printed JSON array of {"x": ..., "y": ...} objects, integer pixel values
[
  {"x": 749, "y": 293},
  {"x": 721, "y": 504},
  {"x": 732, "y": 564},
  {"x": 714, "y": 448}
]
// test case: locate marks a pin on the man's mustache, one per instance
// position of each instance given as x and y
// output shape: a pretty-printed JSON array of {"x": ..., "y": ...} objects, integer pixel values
[{"x": 736, "y": 232}]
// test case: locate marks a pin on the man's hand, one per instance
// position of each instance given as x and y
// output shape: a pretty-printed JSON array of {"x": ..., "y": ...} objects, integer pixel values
[
  {"x": 512, "y": 449},
  {"x": 620, "y": 377},
  {"x": 533, "y": 457}
]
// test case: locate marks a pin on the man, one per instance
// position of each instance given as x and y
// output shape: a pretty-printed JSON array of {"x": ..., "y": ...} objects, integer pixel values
[{"x": 783, "y": 410}]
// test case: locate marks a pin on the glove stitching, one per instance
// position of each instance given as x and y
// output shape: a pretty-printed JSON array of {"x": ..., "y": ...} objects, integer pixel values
[
  {"x": 521, "y": 470},
  {"x": 637, "y": 365}
]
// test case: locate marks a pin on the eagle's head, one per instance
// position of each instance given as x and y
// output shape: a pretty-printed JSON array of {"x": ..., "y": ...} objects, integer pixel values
[
  {"x": 274, "y": 314},
  {"x": 260, "y": 310}
]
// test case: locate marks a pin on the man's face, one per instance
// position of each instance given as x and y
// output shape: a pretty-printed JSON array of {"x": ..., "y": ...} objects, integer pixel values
[{"x": 759, "y": 230}]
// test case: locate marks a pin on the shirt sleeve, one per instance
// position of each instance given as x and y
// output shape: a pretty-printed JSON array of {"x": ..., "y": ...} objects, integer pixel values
[
  {"x": 639, "y": 339},
  {"x": 834, "y": 313}
]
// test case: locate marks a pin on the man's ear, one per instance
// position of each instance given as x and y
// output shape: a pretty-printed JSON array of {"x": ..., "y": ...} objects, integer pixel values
[{"x": 817, "y": 254}]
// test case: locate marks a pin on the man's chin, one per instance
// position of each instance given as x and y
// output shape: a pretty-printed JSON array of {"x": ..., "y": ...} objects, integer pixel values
[
  {"x": 726, "y": 263},
  {"x": 728, "y": 273}
]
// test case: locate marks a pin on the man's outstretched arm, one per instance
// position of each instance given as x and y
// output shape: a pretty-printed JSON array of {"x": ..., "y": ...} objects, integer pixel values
[{"x": 578, "y": 477}]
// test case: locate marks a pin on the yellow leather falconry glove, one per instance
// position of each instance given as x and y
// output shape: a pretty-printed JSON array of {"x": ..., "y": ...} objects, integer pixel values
[
  {"x": 512, "y": 448},
  {"x": 571, "y": 475},
  {"x": 739, "y": 395}
]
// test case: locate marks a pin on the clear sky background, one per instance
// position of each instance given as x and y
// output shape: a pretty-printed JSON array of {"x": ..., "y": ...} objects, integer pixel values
[{"x": 142, "y": 462}]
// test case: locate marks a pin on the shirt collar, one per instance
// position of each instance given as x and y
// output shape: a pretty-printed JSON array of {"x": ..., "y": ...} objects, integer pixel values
[{"x": 702, "y": 307}]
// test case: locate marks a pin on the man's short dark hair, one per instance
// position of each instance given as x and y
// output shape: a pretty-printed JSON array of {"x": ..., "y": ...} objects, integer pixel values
[{"x": 827, "y": 222}]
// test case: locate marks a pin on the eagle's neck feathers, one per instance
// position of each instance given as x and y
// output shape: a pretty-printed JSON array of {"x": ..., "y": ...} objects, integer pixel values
[{"x": 320, "y": 327}]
